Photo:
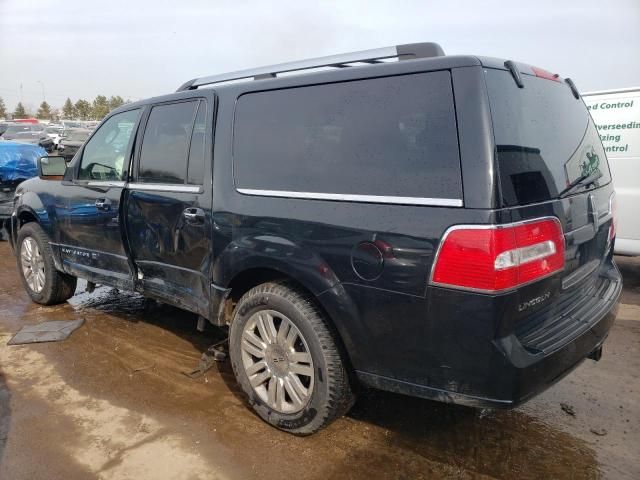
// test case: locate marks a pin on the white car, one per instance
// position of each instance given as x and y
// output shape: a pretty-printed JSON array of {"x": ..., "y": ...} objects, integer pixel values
[
  {"x": 616, "y": 113},
  {"x": 54, "y": 133}
]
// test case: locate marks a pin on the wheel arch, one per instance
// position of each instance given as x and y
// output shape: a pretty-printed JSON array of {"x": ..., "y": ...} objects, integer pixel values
[{"x": 331, "y": 302}]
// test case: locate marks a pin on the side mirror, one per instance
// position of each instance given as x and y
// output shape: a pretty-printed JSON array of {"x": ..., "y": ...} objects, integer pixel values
[{"x": 52, "y": 168}]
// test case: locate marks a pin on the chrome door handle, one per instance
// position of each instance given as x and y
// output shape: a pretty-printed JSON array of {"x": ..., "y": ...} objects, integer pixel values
[
  {"x": 194, "y": 215},
  {"x": 103, "y": 204}
]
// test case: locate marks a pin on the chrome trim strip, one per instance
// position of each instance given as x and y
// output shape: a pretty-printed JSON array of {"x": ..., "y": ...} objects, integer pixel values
[
  {"x": 105, "y": 183},
  {"x": 159, "y": 187},
  {"x": 344, "y": 197},
  {"x": 64, "y": 245}
]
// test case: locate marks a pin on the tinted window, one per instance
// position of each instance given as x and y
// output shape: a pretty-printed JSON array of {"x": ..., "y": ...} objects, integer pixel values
[
  {"x": 390, "y": 136},
  {"x": 195, "y": 173},
  {"x": 163, "y": 158},
  {"x": 544, "y": 136},
  {"x": 104, "y": 155}
]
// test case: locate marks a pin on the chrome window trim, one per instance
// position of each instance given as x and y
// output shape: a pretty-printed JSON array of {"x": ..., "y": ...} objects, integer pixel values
[
  {"x": 105, "y": 183},
  {"x": 346, "y": 197},
  {"x": 164, "y": 187}
]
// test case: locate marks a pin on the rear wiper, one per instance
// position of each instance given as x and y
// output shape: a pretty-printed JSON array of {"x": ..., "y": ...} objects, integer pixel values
[{"x": 585, "y": 180}]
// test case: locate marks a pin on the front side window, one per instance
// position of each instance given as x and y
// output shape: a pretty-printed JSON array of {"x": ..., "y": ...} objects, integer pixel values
[
  {"x": 104, "y": 155},
  {"x": 165, "y": 146}
]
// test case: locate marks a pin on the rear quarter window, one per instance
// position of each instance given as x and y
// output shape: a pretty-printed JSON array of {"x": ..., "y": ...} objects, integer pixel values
[{"x": 392, "y": 136}]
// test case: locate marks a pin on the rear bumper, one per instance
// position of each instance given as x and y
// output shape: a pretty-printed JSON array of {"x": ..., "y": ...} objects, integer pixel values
[{"x": 516, "y": 367}]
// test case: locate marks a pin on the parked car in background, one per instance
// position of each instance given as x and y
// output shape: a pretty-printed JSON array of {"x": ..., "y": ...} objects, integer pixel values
[
  {"x": 55, "y": 133},
  {"x": 26, "y": 120},
  {"x": 3, "y": 127},
  {"x": 69, "y": 124},
  {"x": 28, "y": 133},
  {"x": 72, "y": 141},
  {"x": 617, "y": 116},
  {"x": 18, "y": 162},
  {"x": 438, "y": 226}
]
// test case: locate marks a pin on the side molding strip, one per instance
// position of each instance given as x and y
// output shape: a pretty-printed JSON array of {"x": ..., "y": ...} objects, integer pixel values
[{"x": 344, "y": 197}]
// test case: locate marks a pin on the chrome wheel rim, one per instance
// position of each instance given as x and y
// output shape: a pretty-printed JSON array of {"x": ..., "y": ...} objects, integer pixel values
[
  {"x": 32, "y": 264},
  {"x": 277, "y": 361}
]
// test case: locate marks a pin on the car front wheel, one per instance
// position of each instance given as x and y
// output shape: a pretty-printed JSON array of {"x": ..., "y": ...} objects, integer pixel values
[
  {"x": 287, "y": 361},
  {"x": 41, "y": 280}
]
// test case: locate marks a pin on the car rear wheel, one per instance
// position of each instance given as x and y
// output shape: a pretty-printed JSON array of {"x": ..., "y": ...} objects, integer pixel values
[
  {"x": 41, "y": 280},
  {"x": 287, "y": 361}
]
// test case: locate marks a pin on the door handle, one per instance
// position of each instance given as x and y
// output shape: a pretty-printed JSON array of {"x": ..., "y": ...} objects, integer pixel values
[
  {"x": 194, "y": 215},
  {"x": 103, "y": 204}
]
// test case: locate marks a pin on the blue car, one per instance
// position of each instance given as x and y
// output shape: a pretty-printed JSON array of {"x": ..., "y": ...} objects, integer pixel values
[{"x": 18, "y": 162}]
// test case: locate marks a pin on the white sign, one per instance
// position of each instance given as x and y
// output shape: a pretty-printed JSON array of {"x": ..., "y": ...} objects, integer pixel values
[{"x": 617, "y": 116}]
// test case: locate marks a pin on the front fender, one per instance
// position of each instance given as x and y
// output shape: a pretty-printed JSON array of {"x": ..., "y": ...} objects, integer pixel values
[
  {"x": 44, "y": 212},
  {"x": 42, "y": 207}
]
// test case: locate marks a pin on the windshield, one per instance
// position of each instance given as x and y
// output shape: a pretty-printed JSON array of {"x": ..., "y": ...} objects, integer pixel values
[
  {"x": 77, "y": 136},
  {"x": 546, "y": 141}
]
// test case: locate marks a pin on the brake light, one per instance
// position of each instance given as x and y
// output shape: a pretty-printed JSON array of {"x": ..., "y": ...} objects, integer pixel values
[
  {"x": 499, "y": 257},
  {"x": 541, "y": 73}
]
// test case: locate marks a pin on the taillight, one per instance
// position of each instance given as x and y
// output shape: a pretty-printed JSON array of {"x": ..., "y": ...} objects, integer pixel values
[
  {"x": 497, "y": 258},
  {"x": 614, "y": 216}
]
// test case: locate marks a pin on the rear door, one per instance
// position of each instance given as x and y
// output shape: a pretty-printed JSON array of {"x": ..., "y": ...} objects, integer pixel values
[{"x": 168, "y": 204}]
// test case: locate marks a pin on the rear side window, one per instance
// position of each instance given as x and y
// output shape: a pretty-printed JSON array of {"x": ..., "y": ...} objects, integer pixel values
[
  {"x": 165, "y": 146},
  {"x": 393, "y": 136},
  {"x": 545, "y": 139}
]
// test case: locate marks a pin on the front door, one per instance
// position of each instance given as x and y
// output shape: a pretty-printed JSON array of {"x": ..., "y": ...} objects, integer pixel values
[
  {"x": 91, "y": 240},
  {"x": 168, "y": 204}
]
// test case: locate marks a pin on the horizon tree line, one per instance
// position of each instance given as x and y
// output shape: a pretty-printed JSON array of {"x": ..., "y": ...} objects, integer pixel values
[{"x": 80, "y": 110}]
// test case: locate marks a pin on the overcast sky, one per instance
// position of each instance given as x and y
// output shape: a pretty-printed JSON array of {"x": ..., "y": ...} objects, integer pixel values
[{"x": 142, "y": 48}]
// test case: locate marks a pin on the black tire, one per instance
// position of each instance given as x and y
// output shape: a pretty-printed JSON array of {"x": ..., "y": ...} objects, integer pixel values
[
  {"x": 58, "y": 286},
  {"x": 331, "y": 394}
]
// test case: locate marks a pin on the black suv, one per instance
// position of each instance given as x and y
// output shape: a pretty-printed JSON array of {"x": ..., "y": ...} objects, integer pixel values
[{"x": 439, "y": 226}]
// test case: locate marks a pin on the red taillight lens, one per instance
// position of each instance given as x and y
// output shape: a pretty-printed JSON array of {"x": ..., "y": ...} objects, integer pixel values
[
  {"x": 500, "y": 257},
  {"x": 541, "y": 73}
]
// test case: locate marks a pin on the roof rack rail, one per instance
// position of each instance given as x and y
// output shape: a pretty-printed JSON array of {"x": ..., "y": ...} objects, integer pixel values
[{"x": 401, "y": 52}]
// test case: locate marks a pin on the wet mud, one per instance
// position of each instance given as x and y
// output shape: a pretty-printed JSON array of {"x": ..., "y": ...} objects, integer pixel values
[{"x": 113, "y": 401}]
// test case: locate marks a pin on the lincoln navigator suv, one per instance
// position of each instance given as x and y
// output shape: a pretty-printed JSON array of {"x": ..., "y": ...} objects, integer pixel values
[{"x": 437, "y": 226}]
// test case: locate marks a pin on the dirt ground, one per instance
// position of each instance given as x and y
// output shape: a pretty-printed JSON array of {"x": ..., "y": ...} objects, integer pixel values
[{"x": 112, "y": 402}]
